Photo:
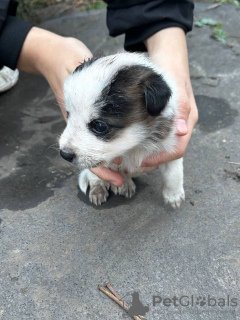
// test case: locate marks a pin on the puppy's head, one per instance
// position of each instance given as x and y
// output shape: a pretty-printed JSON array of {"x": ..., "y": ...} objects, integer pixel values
[{"x": 114, "y": 104}]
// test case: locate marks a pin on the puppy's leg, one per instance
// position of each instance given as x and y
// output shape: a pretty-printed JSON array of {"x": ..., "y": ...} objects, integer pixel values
[
  {"x": 172, "y": 173},
  {"x": 127, "y": 189},
  {"x": 98, "y": 193}
]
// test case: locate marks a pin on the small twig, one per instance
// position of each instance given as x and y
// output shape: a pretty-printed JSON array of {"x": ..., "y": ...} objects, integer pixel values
[
  {"x": 214, "y": 6},
  {"x": 115, "y": 297},
  {"x": 237, "y": 163},
  {"x": 110, "y": 295},
  {"x": 114, "y": 292},
  {"x": 120, "y": 299}
]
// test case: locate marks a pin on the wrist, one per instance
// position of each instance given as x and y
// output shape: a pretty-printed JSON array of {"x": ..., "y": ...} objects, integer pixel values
[
  {"x": 165, "y": 38},
  {"x": 37, "y": 47},
  {"x": 168, "y": 49}
]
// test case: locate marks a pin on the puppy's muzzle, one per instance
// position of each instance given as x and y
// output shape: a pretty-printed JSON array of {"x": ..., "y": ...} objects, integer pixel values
[{"x": 67, "y": 155}]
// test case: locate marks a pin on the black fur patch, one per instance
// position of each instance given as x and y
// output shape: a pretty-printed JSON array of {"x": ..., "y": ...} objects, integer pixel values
[
  {"x": 136, "y": 94},
  {"x": 157, "y": 94}
]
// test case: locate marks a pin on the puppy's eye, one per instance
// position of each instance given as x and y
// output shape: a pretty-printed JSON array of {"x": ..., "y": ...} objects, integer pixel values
[
  {"x": 98, "y": 126},
  {"x": 67, "y": 114}
]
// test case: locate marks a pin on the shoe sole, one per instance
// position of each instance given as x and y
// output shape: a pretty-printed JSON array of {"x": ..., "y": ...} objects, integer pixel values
[{"x": 12, "y": 83}]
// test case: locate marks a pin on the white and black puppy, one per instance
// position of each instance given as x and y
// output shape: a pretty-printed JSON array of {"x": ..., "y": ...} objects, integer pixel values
[{"x": 121, "y": 106}]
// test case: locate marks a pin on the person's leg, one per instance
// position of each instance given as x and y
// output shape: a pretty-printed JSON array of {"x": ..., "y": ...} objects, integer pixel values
[{"x": 8, "y": 78}]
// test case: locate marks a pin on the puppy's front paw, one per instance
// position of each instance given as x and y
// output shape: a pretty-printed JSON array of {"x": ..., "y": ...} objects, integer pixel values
[
  {"x": 173, "y": 197},
  {"x": 98, "y": 189},
  {"x": 127, "y": 189},
  {"x": 98, "y": 194}
]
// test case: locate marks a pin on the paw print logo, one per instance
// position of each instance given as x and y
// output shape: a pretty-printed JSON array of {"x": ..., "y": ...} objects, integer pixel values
[{"x": 201, "y": 301}]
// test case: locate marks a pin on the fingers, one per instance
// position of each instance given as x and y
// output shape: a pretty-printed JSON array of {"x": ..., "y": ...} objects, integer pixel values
[
  {"x": 158, "y": 159},
  {"x": 162, "y": 157},
  {"x": 193, "y": 116},
  {"x": 186, "y": 112},
  {"x": 149, "y": 169},
  {"x": 108, "y": 175},
  {"x": 182, "y": 127}
]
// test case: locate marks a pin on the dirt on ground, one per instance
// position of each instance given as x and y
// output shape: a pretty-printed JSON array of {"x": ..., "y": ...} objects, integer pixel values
[{"x": 37, "y": 11}]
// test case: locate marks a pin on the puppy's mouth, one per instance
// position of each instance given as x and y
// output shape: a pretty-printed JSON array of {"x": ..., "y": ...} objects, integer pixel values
[
  {"x": 84, "y": 165},
  {"x": 80, "y": 163}
]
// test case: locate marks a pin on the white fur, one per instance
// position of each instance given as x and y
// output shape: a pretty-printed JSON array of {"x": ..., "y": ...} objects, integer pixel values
[{"x": 82, "y": 90}]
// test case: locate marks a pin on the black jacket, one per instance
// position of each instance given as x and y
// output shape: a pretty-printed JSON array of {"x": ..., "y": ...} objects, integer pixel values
[
  {"x": 138, "y": 19},
  {"x": 13, "y": 32}
]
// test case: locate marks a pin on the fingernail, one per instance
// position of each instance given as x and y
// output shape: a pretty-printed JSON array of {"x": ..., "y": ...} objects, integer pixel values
[
  {"x": 182, "y": 126},
  {"x": 114, "y": 183}
]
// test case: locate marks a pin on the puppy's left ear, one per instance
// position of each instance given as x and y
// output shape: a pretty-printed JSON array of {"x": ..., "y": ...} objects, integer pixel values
[{"x": 157, "y": 94}]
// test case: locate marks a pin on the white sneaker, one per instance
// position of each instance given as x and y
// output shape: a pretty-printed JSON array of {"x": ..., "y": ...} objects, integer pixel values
[{"x": 8, "y": 78}]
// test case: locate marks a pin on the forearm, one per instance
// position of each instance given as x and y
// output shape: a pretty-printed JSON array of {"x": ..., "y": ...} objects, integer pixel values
[{"x": 168, "y": 47}]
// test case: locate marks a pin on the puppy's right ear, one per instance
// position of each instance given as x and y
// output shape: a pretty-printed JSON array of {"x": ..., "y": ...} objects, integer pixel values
[{"x": 157, "y": 93}]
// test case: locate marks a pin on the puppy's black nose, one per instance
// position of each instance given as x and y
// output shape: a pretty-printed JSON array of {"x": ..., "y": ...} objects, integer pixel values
[{"x": 67, "y": 155}]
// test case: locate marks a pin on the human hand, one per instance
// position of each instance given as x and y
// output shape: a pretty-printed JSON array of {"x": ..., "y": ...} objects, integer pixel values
[
  {"x": 168, "y": 50},
  {"x": 52, "y": 56}
]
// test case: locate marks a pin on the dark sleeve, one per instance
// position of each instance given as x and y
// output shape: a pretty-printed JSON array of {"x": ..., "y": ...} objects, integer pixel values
[
  {"x": 140, "y": 19},
  {"x": 13, "y": 32}
]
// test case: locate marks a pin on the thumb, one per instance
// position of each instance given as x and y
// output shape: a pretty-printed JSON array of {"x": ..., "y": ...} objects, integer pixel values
[
  {"x": 108, "y": 175},
  {"x": 182, "y": 118}
]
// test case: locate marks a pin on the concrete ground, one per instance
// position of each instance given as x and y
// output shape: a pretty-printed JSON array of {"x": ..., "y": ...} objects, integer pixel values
[{"x": 56, "y": 247}]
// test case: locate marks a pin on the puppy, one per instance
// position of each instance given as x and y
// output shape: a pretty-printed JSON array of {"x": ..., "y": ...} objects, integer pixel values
[{"x": 121, "y": 106}]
